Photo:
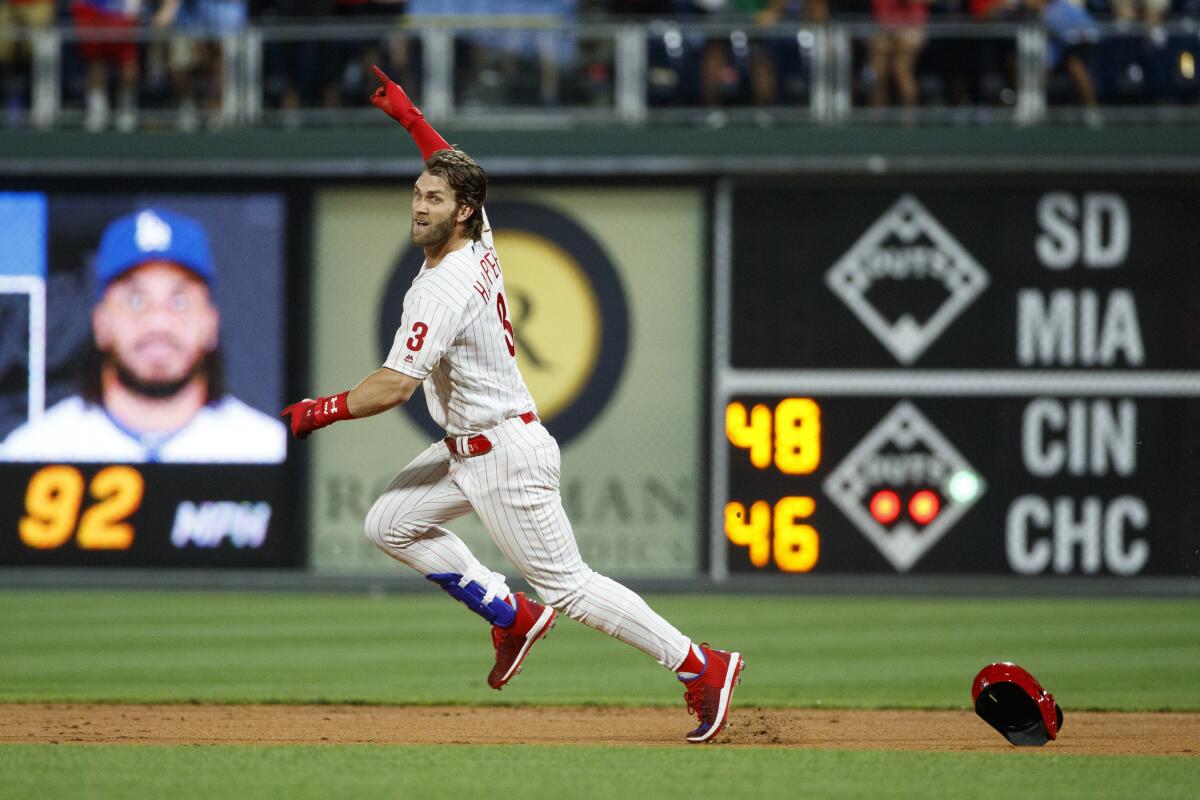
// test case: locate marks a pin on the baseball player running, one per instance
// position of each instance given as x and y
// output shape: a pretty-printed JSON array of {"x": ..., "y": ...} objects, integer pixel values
[{"x": 456, "y": 340}]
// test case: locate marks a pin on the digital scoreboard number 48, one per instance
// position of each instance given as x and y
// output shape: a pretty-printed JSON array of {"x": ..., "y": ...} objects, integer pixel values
[{"x": 786, "y": 438}]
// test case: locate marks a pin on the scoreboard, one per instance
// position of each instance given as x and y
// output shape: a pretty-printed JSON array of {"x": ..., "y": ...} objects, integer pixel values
[
  {"x": 136, "y": 515},
  {"x": 973, "y": 375},
  {"x": 91, "y": 477}
]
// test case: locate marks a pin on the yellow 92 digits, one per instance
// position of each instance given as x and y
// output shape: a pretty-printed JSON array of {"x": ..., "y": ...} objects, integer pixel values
[{"x": 54, "y": 499}]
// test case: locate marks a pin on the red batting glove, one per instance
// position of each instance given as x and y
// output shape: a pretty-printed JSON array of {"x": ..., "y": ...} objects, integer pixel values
[
  {"x": 309, "y": 415},
  {"x": 392, "y": 100}
]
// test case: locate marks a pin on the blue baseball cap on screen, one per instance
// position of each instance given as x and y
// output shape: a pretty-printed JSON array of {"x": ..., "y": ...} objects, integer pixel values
[{"x": 153, "y": 235}]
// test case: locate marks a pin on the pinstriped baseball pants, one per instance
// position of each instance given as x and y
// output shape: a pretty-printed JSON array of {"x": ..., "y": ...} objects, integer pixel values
[{"x": 515, "y": 491}]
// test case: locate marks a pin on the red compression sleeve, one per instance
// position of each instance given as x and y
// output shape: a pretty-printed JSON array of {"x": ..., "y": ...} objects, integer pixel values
[{"x": 428, "y": 140}]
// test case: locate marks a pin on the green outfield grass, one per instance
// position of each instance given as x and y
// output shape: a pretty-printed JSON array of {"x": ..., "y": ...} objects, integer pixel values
[
  {"x": 423, "y": 648},
  {"x": 143, "y": 646},
  {"x": 575, "y": 773}
]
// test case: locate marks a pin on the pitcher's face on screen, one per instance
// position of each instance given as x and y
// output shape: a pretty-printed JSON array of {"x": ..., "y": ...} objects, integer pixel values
[{"x": 155, "y": 324}]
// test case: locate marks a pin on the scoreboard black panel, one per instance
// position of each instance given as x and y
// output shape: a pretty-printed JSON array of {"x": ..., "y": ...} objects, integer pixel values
[
  {"x": 960, "y": 275},
  {"x": 1028, "y": 485},
  {"x": 135, "y": 515},
  {"x": 960, "y": 375}
]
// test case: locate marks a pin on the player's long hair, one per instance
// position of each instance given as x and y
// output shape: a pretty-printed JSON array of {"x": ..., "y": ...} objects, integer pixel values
[
  {"x": 467, "y": 179},
  {"x": 212, "y": 367}
]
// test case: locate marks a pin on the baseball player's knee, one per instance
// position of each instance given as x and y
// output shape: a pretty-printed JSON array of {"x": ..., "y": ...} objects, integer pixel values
[{"x": 390, "y": 531}]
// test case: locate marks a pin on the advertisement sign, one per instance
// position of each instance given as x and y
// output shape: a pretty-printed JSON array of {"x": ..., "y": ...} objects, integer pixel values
[
  {"x": 605, "y": 288},
  {"x": 997, "y": 376}
]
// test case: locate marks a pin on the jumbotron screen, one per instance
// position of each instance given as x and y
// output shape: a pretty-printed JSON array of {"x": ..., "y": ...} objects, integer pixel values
[{"x": 142, "y": 369}]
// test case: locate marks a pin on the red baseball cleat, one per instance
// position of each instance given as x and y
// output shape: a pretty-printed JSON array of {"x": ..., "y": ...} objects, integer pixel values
[
  {"x": 710, "y": 695},
  {"x": 533, "y": 621}
]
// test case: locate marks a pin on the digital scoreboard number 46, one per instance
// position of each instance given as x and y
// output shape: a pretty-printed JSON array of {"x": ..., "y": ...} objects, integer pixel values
[{"x": 787, "y": 437}]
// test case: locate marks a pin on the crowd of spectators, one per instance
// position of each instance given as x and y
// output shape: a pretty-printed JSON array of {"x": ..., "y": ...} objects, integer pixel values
[
  {"x": 897, "y": 63},
  {"x": 896, "y": 60}
]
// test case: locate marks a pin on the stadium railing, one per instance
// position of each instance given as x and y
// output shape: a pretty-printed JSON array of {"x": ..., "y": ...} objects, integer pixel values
[{"x": 509, "y": 72}]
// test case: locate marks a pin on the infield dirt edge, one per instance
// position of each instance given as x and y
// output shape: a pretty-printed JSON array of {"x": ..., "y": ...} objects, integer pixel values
[{"x": 1090, "y": 733}]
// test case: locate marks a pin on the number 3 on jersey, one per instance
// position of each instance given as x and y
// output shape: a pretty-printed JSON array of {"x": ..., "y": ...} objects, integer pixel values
[
  {"x": 417, "y": 340},
  {"x": 510, "y": 336}
]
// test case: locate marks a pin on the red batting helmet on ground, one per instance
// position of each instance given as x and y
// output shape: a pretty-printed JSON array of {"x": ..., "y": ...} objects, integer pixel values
[{"x": 1012, "y": 701}]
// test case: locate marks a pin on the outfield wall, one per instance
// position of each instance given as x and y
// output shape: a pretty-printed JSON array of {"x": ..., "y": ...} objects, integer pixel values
[{"x": 770, "y": 352}]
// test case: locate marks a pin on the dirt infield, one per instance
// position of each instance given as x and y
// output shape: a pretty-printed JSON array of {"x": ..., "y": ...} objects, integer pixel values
[{"x": 947, "y": 731}]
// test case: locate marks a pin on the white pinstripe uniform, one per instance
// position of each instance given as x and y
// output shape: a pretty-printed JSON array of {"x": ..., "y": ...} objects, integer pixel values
[{"x": 455, "y": 336}]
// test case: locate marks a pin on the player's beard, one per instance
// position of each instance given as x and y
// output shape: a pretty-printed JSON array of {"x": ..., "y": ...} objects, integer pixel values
[
  {"x": 154, "y": 389},
  {"x": 434, "y": 234},
  {"x": 91, "y": 386}
]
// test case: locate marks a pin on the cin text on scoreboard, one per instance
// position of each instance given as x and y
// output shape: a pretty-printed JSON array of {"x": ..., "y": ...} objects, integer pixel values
[{"x": 973, "y": 375}]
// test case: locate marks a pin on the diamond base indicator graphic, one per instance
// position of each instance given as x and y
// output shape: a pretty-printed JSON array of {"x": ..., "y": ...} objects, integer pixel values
[
  {"x": 906, "y": 279},
  {"x": 904, "y": 486}
]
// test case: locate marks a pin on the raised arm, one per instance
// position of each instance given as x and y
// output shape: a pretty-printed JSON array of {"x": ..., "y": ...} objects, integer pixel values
[{"x": 392, "y": 100}]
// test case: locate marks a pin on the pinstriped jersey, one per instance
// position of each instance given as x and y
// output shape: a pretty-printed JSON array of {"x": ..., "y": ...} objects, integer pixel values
[{"x": 455, "y": 335}]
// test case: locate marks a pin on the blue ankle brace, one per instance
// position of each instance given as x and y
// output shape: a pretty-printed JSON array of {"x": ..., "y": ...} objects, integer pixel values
[{"x": 497, "y": 611}]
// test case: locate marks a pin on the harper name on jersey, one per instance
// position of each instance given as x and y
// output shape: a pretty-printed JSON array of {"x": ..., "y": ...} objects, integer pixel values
[{"x": 456, "y": 337}]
